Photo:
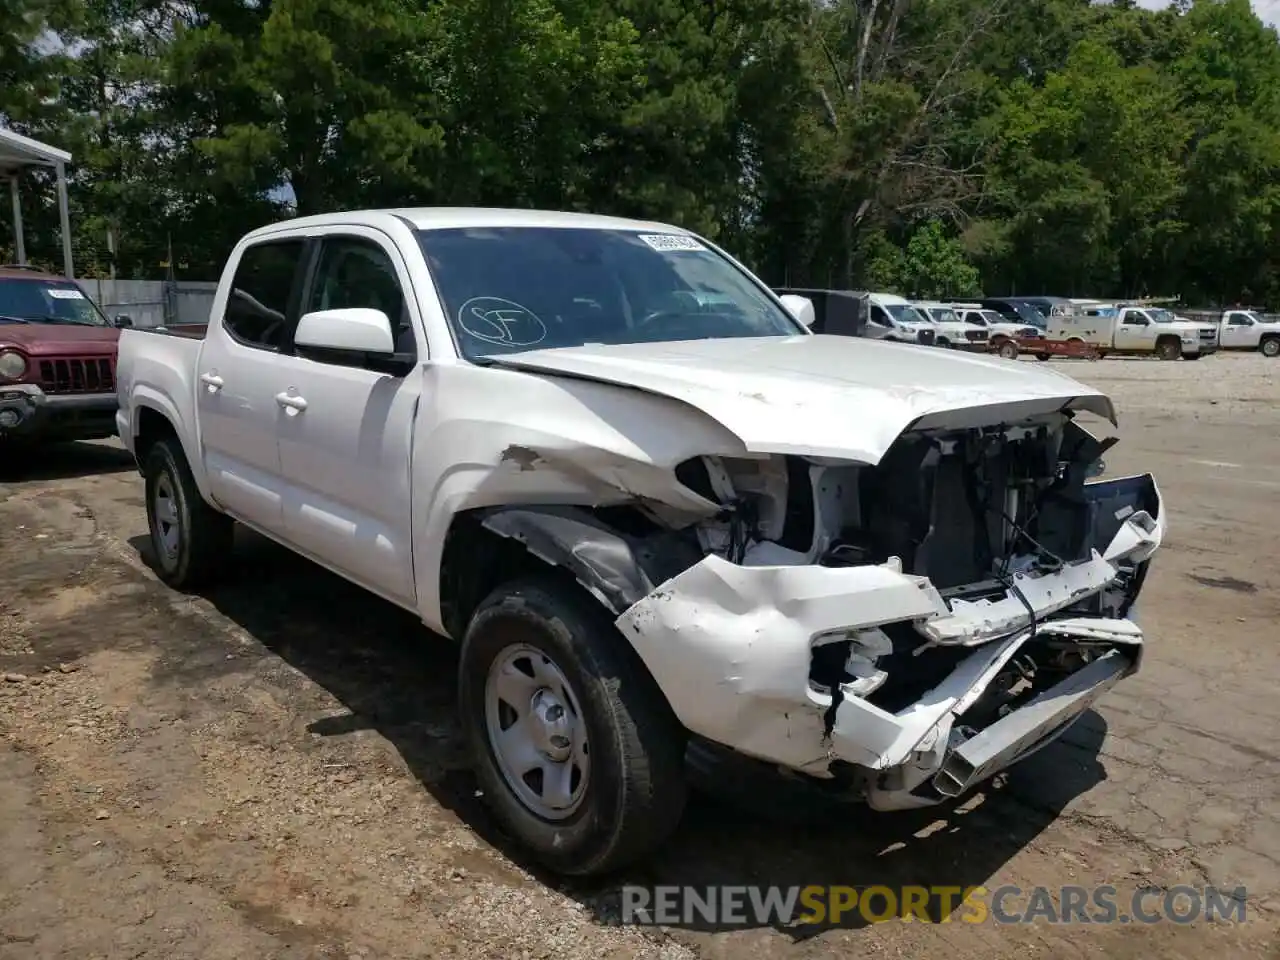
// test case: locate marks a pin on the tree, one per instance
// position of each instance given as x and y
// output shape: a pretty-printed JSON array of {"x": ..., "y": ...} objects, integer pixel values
[{"x": 935, "y": 267}]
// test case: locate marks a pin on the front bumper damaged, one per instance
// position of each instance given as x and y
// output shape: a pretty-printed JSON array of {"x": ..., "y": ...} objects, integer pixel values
[{"x": 732, "y": 648}]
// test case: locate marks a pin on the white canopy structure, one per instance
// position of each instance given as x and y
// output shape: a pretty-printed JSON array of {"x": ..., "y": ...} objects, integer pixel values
[{"x": 18, "y": 152}]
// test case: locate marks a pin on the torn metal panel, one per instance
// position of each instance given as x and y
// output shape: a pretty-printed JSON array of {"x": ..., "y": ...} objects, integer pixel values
[
  {"x": 617, "y": 570},
  {"x": 730, "y": 646}
]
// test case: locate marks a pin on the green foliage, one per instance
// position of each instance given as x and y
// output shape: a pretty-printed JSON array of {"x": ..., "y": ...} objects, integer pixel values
[
  {"x": 935, "y": 267},
  {"x": 939, "y": 147}
]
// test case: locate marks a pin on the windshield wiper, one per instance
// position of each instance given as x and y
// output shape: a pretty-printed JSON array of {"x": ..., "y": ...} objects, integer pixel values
[{"x": 6, "y": 318}]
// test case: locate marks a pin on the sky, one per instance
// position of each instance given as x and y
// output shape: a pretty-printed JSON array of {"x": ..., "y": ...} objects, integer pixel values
[{"x": 1268, "y": 10}]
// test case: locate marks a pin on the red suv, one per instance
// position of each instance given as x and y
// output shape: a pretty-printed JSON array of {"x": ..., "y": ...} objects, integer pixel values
[{"x": 57, "y": 359}]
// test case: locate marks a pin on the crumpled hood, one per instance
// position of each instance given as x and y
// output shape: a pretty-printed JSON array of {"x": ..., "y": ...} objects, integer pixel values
[
  {"x": 843, "y": 397},
  {"x": 59, "y": 339}
]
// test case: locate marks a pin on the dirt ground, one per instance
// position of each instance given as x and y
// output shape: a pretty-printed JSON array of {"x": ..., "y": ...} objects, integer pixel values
[{"x": 273, "y": 770}]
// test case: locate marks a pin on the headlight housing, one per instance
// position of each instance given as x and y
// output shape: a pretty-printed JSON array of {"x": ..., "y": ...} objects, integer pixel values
[{"x": 12, "y": 365}]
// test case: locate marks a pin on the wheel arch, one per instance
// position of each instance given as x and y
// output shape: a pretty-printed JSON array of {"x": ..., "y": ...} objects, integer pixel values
[
  {"x": 155, "y": 418},
  {"x": 487, "y": 546}
]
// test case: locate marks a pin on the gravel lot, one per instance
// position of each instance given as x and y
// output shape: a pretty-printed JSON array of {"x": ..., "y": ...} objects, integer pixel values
[{"x": 273, "y": 770}]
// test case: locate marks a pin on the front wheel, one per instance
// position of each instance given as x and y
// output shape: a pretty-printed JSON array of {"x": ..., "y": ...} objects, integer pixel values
[
  {"x": 1008, "y": 349},
  {"x": 1168, "y": 350},
  {"x": 1193, "y": 356},
  {"x": 189, "y": 539},
  {"x": 1270, "y": 348},
  {"x": 577, "y": 752}
]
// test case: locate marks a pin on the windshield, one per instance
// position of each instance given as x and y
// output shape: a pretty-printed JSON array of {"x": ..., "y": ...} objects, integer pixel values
[
  {"x": 941, "y": 314},
  {"x": 1161, "y": 316},
  {"x": 990, "y": 316},
  {"x": 46, "y": 300},
  {"x": 905, "y": 313},
  {"x": 507, "y": 289}
]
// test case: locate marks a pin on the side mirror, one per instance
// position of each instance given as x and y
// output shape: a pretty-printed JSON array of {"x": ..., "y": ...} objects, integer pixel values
[
  {"x": 351, "y": 330},
  {"x": 122, "y": 320},
  {"x": 799, "y": 307}
]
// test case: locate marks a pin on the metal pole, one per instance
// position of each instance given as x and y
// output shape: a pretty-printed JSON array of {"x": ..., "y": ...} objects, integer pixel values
[
  {"x": 19, "y": 241},
  {"x": 65, "y": 215}
]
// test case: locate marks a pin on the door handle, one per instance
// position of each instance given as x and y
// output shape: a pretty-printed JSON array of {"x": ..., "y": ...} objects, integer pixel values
[
  {"x": 293, "y": 405},
  {"x": 212, "y": 380}
]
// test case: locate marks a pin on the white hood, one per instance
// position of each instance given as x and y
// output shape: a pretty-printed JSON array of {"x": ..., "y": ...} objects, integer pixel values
[{"x": 843, "y": 397}]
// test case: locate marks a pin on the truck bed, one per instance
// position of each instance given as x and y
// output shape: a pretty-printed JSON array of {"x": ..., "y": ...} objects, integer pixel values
[{"x": 156, "y": 369}]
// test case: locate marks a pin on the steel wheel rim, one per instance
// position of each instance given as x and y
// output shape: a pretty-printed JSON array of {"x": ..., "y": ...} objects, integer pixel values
[
  {"x": 1271, "y": 348},
  {"x": 537, "y": 733},
  {"x": 164, "y": 507}
]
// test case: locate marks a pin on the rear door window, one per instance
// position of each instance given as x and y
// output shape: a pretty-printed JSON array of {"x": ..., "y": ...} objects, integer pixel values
[{"x": 258, "y": 305}]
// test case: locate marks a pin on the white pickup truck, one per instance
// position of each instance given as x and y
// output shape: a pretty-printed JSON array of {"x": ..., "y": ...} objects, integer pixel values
[
  {"x": 1127, "y": 329},
  {"x": 667, "y": 525},
  {"x": 952, "y": 331},
  {"x": 1240, "y": 329}
]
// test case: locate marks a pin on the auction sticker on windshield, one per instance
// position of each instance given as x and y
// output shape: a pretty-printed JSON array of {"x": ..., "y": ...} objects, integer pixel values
[
  {"x": 665, "y": 242},
  {"x": 62, "y": 293}
]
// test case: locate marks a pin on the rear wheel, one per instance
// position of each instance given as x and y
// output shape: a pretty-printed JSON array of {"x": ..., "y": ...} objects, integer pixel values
[
  {"x": 189, "y": 539},
  {"x": 577, "y": 752}
]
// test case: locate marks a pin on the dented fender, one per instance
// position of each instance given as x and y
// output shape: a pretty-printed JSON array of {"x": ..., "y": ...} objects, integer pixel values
[
  {"x": 730, "y": 646},
  {"x": 602, "y": 561}
]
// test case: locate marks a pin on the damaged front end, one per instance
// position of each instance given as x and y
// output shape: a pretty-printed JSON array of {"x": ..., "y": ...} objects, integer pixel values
[{"x": 906, "y": 628}]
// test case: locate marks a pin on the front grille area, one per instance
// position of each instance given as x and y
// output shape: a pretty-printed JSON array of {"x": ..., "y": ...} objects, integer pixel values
[
  {"x": 78, "y": 375},
  {"x": 925, "y": 336},
  {"x": 975, "y": 334}
]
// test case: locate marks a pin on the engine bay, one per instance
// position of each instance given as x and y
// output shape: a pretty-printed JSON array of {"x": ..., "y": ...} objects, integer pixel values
[{"x": 966, "y": 509}]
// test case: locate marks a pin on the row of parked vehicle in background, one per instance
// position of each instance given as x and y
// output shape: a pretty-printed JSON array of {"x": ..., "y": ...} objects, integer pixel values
[{"x": 1044, "y": 326}]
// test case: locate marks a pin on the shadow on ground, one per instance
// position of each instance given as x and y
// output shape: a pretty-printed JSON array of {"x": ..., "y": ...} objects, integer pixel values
[
  {"x": 395, "y": 677},
  {"x": 60, "y": 461}
]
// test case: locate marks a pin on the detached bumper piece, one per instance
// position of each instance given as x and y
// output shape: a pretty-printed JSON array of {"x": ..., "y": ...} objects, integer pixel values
[
  {"x": 1034, "y": 725},
  {"x": 27, "y": 412}
]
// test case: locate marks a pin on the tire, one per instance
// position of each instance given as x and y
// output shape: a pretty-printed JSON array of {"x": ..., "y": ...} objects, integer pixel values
[
  {"x": 1193, "y": 356},
  {"x": 942, "y": 342},
  {"x": 189, "y": 539},
  {"x": 1008, "y": 349},
  {"x": 1042, "y": 356},
  {"x": 613, "y": 726},
  {"x": 1168, "y": 349},
  {"x": 1270, "y": 347}
]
